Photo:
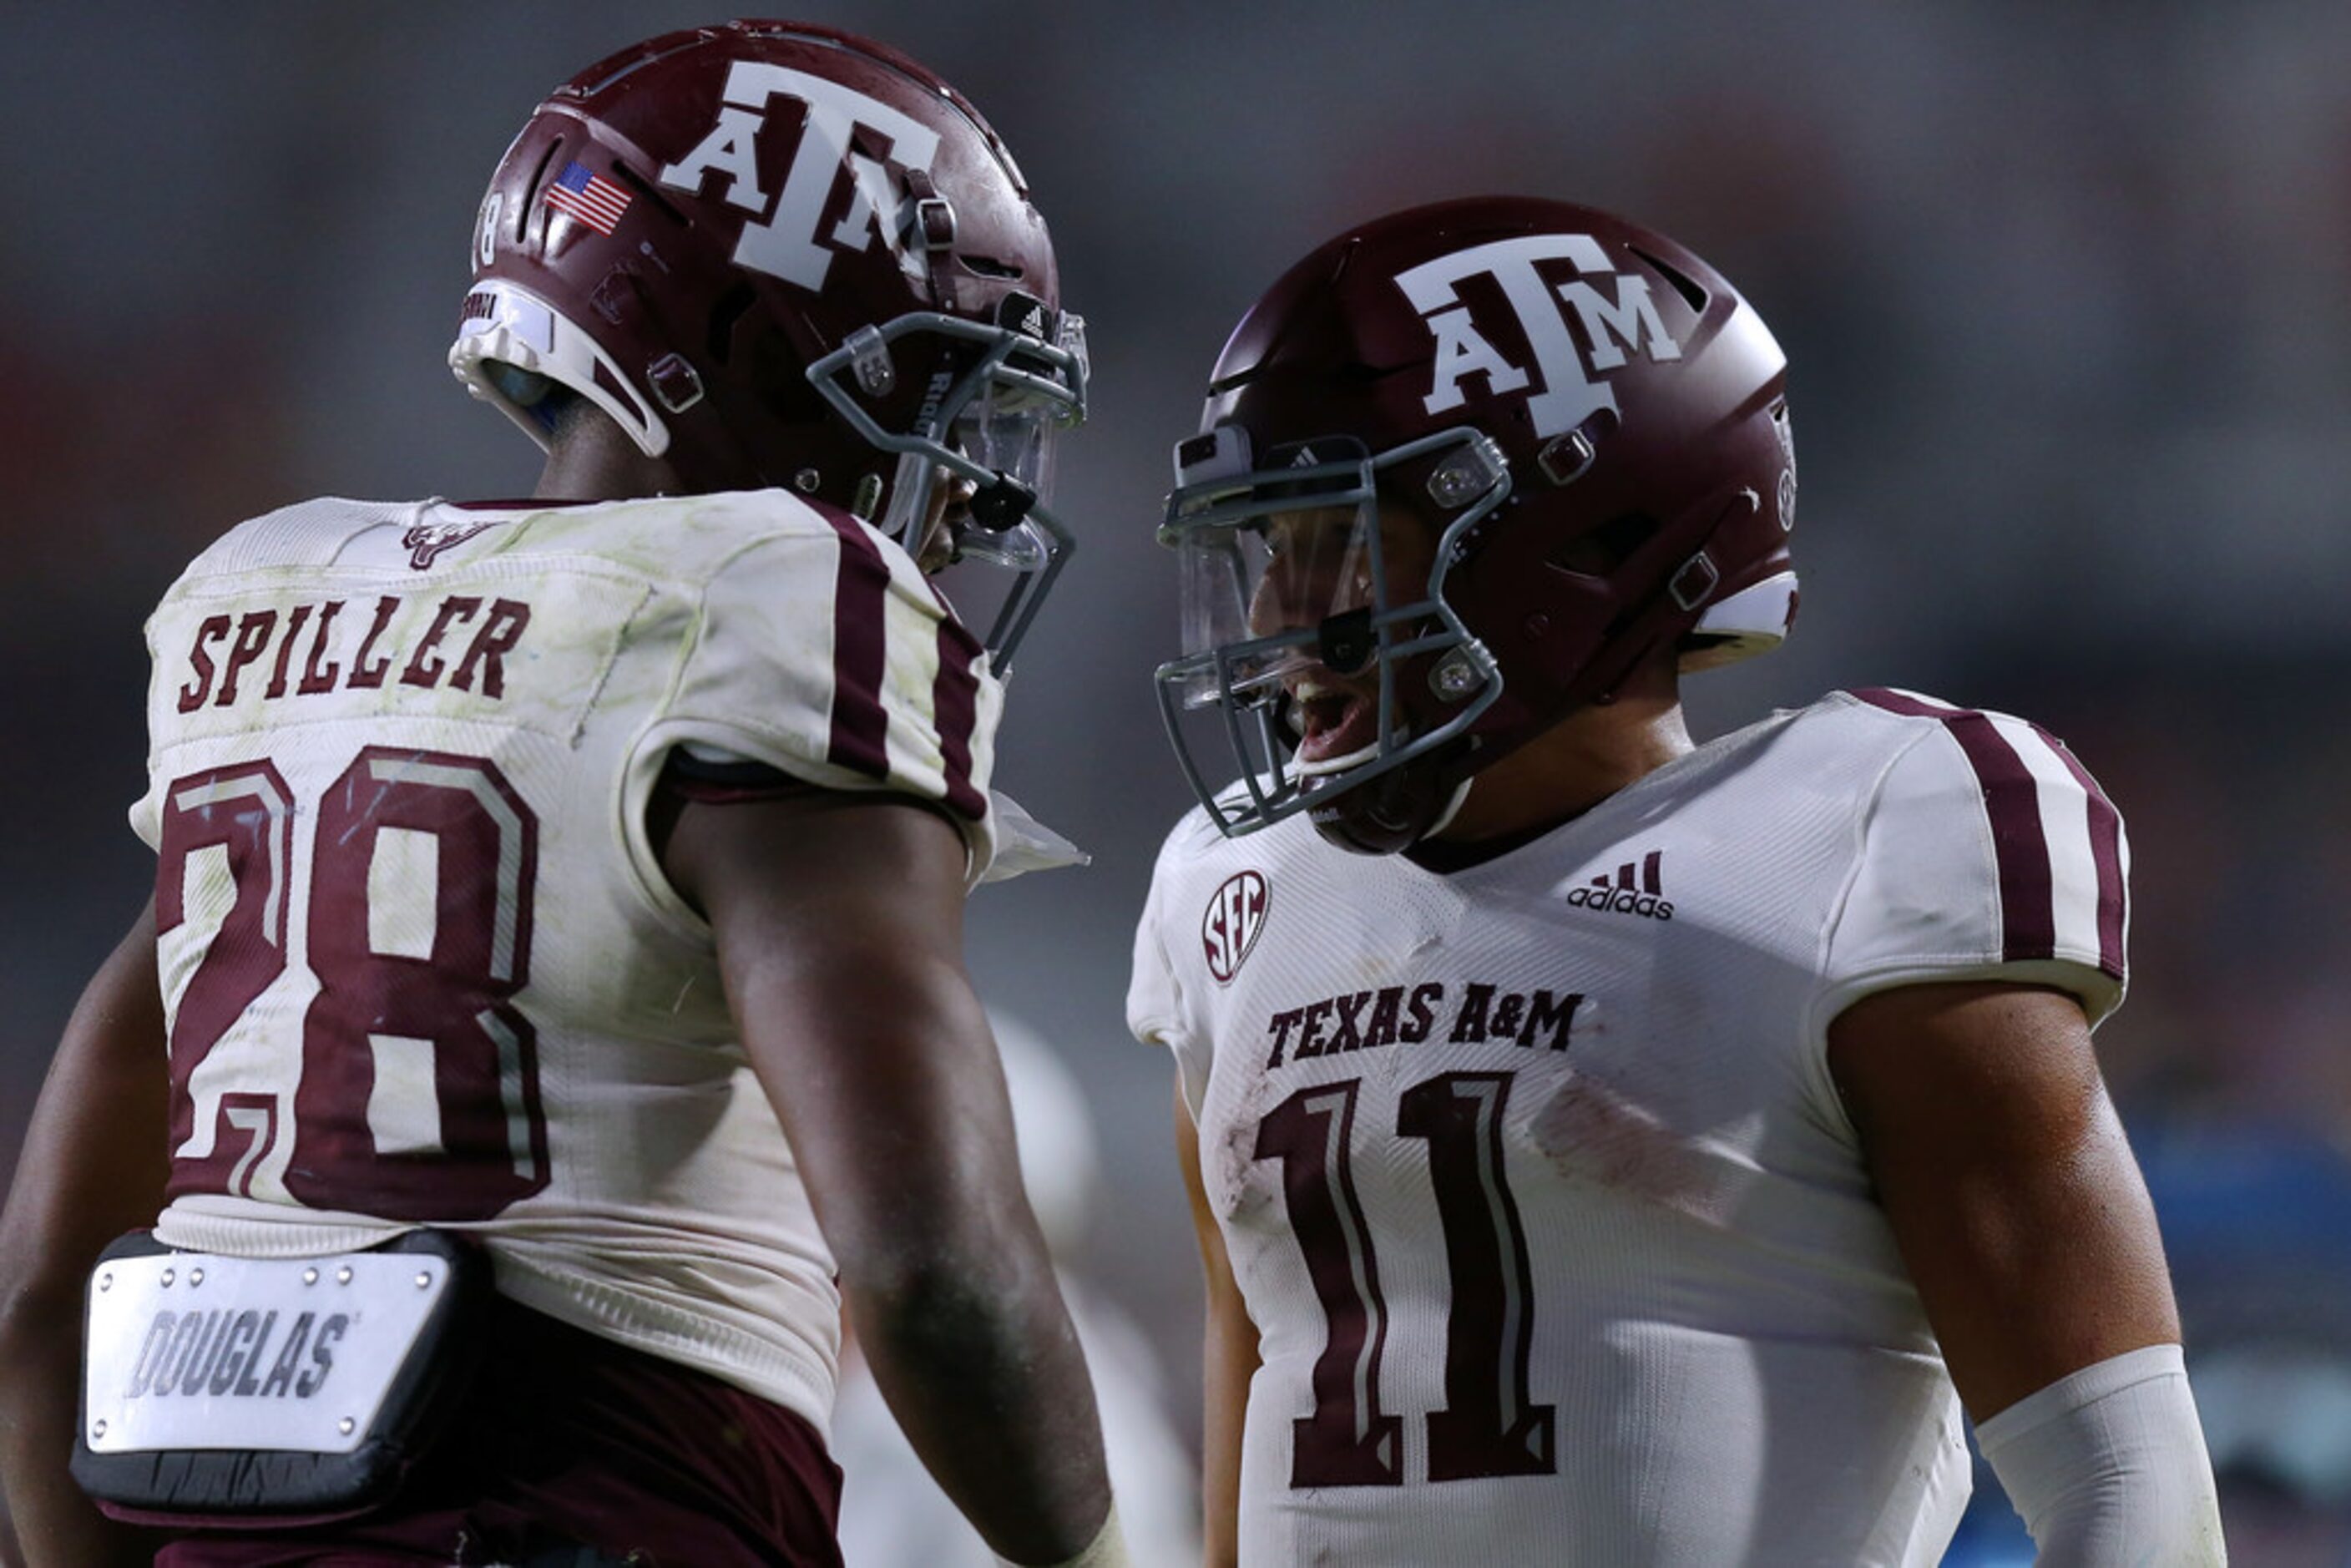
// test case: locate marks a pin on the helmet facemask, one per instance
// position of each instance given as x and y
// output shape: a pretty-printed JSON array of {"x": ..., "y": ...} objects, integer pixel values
[
  {"x": 977, "y": 461},
  {"x": 1297, "y": 595}
]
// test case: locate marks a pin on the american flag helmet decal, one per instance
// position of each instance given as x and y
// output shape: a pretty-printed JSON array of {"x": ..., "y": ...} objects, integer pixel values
[{"x": 587, "y": 197}]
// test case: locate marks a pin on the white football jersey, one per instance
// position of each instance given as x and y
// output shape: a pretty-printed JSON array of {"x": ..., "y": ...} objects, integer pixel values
[
  {"x": 420, "y": 963},
  {"x": 1534, "y": 1180}
]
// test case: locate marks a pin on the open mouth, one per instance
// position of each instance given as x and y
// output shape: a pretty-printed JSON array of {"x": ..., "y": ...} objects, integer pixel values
[{"x": 1337, "y": 722}]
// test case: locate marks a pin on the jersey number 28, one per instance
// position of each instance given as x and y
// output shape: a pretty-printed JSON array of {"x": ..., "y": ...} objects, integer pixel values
[{"x": 408, "y": 1011}]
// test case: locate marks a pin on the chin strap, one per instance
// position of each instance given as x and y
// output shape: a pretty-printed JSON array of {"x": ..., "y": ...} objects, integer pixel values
[
  {"x": 1452, "y": 808},
  {"x": 1388, "y": 814}
]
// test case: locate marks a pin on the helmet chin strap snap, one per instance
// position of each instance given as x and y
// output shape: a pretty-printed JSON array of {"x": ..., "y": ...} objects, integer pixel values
[{"x": 1000, "y": 506}]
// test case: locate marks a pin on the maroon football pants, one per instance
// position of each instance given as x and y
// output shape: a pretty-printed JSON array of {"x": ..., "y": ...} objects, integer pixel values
[{"x": 569, "y": 1441}]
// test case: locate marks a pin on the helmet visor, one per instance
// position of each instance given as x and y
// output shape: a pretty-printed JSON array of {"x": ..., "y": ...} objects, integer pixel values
[
  {"x": 1005, "y": 432},
  {"x": 1294, "y": 568},
  {"x": 1284, "y": 591},
  {"x": 1030, "y": 394},
  {"x": 1313, "y": 621},
  {"x": 975, "y": 468}
]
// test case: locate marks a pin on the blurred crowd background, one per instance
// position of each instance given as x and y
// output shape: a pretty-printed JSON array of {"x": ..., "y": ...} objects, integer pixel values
[{"x": 2063, "y": 288}]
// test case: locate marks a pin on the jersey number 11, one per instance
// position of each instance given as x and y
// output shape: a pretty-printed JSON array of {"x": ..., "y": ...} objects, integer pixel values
[{"x": 1488, "y": 1426}]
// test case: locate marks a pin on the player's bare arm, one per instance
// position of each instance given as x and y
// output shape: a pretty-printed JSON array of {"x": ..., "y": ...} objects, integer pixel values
[
  {"x": 1228, "y": 1359},
  {"x": 2010, "y": 1190},
  {"x": 862, "y": 1024},
  {"x": 92, "y": 1167},
  {"x": 2004, "y": 1172}
]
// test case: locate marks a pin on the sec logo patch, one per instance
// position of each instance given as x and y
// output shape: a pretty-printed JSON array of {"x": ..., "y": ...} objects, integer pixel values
[{"x": 1229, "y": 928}]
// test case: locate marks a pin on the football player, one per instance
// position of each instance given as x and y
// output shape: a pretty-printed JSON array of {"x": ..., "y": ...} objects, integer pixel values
[
  {"x": 568, "y": 894},
  {"x": 1607, "y": 1149}
]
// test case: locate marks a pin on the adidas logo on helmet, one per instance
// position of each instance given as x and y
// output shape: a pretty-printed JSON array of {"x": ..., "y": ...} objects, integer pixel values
[{"x": 1621, "y": 895}]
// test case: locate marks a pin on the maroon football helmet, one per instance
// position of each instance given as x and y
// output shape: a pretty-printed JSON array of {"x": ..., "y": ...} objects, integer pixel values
[
  {"x": 1460, "y": 471},
  {"x": 779, "y": 255}
]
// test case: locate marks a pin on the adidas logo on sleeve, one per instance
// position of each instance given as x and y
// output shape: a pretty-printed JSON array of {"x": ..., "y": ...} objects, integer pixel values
[{"x": 1622, "y": 895}]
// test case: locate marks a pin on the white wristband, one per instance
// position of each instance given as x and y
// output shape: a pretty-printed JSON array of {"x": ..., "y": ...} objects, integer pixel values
[{"x": 2108, "y": 1467}]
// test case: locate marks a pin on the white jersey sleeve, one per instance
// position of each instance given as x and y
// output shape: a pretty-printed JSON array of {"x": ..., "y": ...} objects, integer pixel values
[
  {"x": 1156, "y": 1012},
  {"x": 1987, "y": 853},
  {"x": 826, "y": 655}
]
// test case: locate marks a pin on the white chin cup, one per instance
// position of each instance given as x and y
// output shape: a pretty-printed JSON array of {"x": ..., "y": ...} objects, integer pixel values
[
  {"x": 1452, "y": 808},
  {"x": 1752, "y": 621},
  {"x": 1324, "y": 767}
]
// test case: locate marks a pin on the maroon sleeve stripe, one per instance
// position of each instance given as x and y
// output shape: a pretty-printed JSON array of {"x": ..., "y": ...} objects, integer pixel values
[
  {"x": 954, "y": 707},
  {"x": 2028, "y": 911},
  {"x": 860, "y": 597},
  {"x": 2106, "y": 853}
]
